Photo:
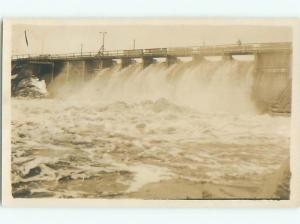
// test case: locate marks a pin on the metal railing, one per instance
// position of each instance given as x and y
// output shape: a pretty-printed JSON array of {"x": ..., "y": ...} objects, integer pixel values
[{"x": 163, "y": 52}]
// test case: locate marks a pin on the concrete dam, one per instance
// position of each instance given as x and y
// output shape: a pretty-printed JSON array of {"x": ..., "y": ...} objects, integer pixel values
[{"x": 267, "y": 77}]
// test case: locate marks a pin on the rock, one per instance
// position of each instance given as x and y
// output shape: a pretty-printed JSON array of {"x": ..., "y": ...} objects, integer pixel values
[
  {"x": 24, "y": 86},
  {"x": 33, "y": 172}
]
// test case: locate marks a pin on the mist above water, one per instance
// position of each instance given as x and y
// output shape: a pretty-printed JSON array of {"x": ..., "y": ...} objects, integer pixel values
[{"x": 208, "y": 86}]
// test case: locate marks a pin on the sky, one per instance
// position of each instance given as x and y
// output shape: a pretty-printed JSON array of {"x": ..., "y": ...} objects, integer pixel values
[{"x": 58, "y": 39}]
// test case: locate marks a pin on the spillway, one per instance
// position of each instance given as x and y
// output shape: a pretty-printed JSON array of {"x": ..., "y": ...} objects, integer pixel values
[{"x": 209, "y": 86}]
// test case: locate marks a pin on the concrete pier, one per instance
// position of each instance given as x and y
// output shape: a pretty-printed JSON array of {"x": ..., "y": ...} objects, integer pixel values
[
  {"x": 106, "y": 63},
  {"x": 198, "y": 58},
  {"x": 171, "y": 60},
  {"x": 271, "y": 78},
  {"x": 67, "y": 71},
  {"x": 91, "y": 68},
  {"x": 227, "y": 57},
  {"x": 147, "y": 61},
  {"x": 126, "y": 62}
]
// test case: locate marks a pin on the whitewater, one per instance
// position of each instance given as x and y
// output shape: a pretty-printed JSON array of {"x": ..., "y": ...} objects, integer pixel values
[{"x": 187, "y": 131}]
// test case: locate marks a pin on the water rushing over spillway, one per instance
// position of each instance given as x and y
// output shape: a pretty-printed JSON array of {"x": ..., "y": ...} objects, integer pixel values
[
  {"x": 190, "y": 130},
  {"x": 209, "y": 86}
]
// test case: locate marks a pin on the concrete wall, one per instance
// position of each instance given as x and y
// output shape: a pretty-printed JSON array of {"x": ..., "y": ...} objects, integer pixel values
[{"x": 272, "y": 79}]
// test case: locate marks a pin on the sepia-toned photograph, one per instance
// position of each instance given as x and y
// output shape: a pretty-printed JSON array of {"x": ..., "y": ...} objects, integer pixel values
[{"x": 153, "y": 111}]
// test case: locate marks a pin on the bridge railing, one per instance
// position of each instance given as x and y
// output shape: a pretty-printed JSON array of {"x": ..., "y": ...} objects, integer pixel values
[
  {"x": 54, "y": 56},
  {"x": 173, "y": 51},
  {"x": 223, "y": 49}
]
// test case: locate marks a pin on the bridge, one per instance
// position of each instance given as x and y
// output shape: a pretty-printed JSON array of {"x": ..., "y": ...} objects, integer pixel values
[
  {"x": 272, "y": 63},
  {"x": 216, "y": 50}
]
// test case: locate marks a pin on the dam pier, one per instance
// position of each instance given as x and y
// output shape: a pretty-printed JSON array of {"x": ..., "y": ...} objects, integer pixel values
[{"x": 271, "y": 79}]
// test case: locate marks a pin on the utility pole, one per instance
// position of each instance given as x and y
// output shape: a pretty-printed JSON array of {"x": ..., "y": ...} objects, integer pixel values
[
  {"x": 134, "y": 44},
  {"x": 103, "y": 40},
  {"x": 81, "y": 45}
]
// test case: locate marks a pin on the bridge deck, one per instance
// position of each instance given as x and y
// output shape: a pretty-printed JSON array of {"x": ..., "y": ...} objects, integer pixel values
[{"x": 234, "y": 49}]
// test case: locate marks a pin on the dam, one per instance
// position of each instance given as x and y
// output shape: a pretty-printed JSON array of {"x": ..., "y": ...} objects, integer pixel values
[
  {"x": 164, "y": 123},
  {"x": 271, "y": 69}
]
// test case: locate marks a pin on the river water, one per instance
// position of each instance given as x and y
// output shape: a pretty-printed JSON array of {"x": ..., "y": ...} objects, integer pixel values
[{"x": 180, "y": 132}]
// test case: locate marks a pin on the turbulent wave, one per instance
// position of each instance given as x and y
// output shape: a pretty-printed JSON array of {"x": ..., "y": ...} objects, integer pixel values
[
  {"x": 71, "y": 148},
  {"x": 185, "y": 131},
  {"x": 29, "y": 87}
]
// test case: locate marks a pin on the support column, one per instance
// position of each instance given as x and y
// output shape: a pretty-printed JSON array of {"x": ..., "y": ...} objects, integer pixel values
[
  {"x": 91, "y": 68},
  {"x": 68, "y": 71},
  {"x": 52, "y": 73},
  {"x": 227, "y": 57},
  {"x": 106, "y": 63},
  {"x": 83, "y": 71},
  {"x": 39, "y": 70},
  {"x": 147, "y": 61},
  {"x": 126, "y": 62},
  {"x": 198, "y": 58},
  {"x": 171, "y": 60}
]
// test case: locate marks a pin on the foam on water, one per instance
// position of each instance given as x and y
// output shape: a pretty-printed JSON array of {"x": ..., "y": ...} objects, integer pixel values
[{"x": 130, "y": 127}]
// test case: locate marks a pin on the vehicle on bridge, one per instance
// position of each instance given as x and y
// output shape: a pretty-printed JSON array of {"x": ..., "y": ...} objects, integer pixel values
[{"x": 155, "y": 52}]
